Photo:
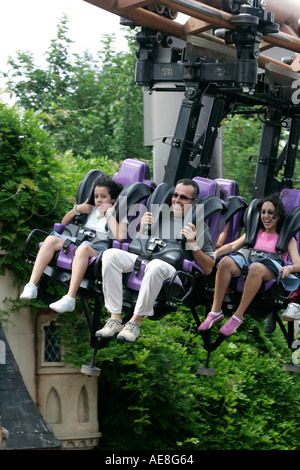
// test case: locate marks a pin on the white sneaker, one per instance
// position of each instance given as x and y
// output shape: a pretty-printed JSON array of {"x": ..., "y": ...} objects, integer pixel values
[
  {"x": 111, "y": 328},
  {"x": 65, "y": 304},
  {"x": 292, "y": 312},
  {"x": 130, "y": 332},
  {"x": 29, "y": 292}
]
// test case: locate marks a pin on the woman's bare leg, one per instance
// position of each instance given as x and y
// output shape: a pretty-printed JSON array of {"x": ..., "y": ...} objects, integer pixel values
[
  {"x": 226, "y": 269},
  {"x": 258, "y": 273}
]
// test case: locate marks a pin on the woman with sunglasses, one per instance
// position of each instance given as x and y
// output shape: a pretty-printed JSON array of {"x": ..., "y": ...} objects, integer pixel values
[{"x": 272, "y": 214}]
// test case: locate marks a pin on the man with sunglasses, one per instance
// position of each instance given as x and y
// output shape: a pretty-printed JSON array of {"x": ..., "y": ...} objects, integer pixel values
[{"x": 115, "y": 262}]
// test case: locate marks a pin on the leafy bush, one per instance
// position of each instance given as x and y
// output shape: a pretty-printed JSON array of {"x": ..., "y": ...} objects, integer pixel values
[
  {"x": 30, "y": 195},
  {"x": 152, "y": 398},
  {"x": 38, "y": 186}
]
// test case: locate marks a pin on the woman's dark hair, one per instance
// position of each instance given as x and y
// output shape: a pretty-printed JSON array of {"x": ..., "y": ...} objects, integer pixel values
[
  {"x": 279, "y": 208},
  {"x": 113, "y": 188}
]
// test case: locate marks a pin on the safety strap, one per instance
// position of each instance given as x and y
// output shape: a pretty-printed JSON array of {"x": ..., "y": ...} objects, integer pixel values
[
  {"x": 251, "y": 255},
  {"x": 81, "y": 236},
  {"x": 153, "y": 243},
  {"x": 66, "y": 246}
]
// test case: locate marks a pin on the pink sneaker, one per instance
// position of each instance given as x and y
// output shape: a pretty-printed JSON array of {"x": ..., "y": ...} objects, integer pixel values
[
  {"x": 210, "y": 320},
  {"x": 230, "y": 326}
]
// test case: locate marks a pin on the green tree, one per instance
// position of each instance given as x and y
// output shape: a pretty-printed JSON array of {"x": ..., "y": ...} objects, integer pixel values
[
  {"x": 29, "y": 193},
  {"x": 241, "y": 138},
  {"x": 94, "y": 106},
  {"x": 37, "y": 184}
]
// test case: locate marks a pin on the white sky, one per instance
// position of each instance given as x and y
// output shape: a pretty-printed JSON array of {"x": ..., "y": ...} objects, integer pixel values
[{"x": 30, "y": 25}]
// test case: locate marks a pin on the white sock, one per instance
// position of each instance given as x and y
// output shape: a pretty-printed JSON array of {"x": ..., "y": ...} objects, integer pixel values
[{"x": 216, "y": 313}]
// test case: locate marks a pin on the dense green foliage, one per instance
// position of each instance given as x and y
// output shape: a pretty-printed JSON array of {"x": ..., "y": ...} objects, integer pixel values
[
  {"x": 151, "y": 396},
  {"x": 77, "y": 117},
  {"x": 37, "y": 185},
  {"x": 241, "y": 140},
  {"x": 30, "y": 195}
]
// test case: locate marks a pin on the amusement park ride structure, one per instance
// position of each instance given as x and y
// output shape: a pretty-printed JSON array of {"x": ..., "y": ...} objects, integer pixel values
[
  {"x": 228, "y": 54},
  {"x": 227, "y": 51}
]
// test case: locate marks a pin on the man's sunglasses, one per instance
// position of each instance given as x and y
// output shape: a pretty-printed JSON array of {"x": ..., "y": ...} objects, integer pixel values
[{"x": 182, "y": 197}]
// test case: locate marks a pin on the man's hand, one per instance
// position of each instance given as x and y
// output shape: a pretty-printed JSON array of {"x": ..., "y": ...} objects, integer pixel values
[
  {"x": 146, "y": 219},
  {"x": 189, "y": 231}
]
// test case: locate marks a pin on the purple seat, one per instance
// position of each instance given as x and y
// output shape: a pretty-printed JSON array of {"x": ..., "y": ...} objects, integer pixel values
[
  {"x": 229, "y": 187},
  {"x": 133, "y": 170},
  {"x": 229, "y": 190},
  {"x": 291, "y": 199},
  {"x": 207, "y": 186},
  {"x": 215, "y": 222}
]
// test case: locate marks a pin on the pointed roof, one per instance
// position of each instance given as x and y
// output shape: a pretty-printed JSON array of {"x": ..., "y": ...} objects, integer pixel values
[{"x": 19, "y": 416}]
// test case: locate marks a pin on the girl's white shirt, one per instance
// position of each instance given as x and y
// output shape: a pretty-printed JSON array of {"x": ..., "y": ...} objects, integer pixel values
[{"x": 94, "y": 222}]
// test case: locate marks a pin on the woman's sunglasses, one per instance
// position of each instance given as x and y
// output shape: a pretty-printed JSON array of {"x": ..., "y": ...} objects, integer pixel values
[{"x": 269, "y": 212}]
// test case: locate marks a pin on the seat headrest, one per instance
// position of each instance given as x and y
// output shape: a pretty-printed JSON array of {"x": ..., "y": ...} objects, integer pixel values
[
  {"x": 207, "y": 187},
  {"x": 289, "y": 229},
  {"x": 251, "y": 219},
  {"x": 131, "y": 171},
  {"x": 85, "y": 187},
  {"x": 230, "y": 187},
  {"x": 290, "y": 198},
  {"x": 129, "y": 196}
]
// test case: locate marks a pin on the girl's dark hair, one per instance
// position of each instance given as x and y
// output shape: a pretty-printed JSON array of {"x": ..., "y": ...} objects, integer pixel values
[
  {"x": 279, "y": 208},
  {"x": 113, "y": 188}
]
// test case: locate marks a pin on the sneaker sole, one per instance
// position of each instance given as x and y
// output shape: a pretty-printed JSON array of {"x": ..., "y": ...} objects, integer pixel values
[
  {"x": 224, "y": 333},
  {"x": 100, "y": 335},
  {"x": 125, "y": 340},
  {"x": 61, "y": 311},
  {"x": 287, "y": 318}
]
